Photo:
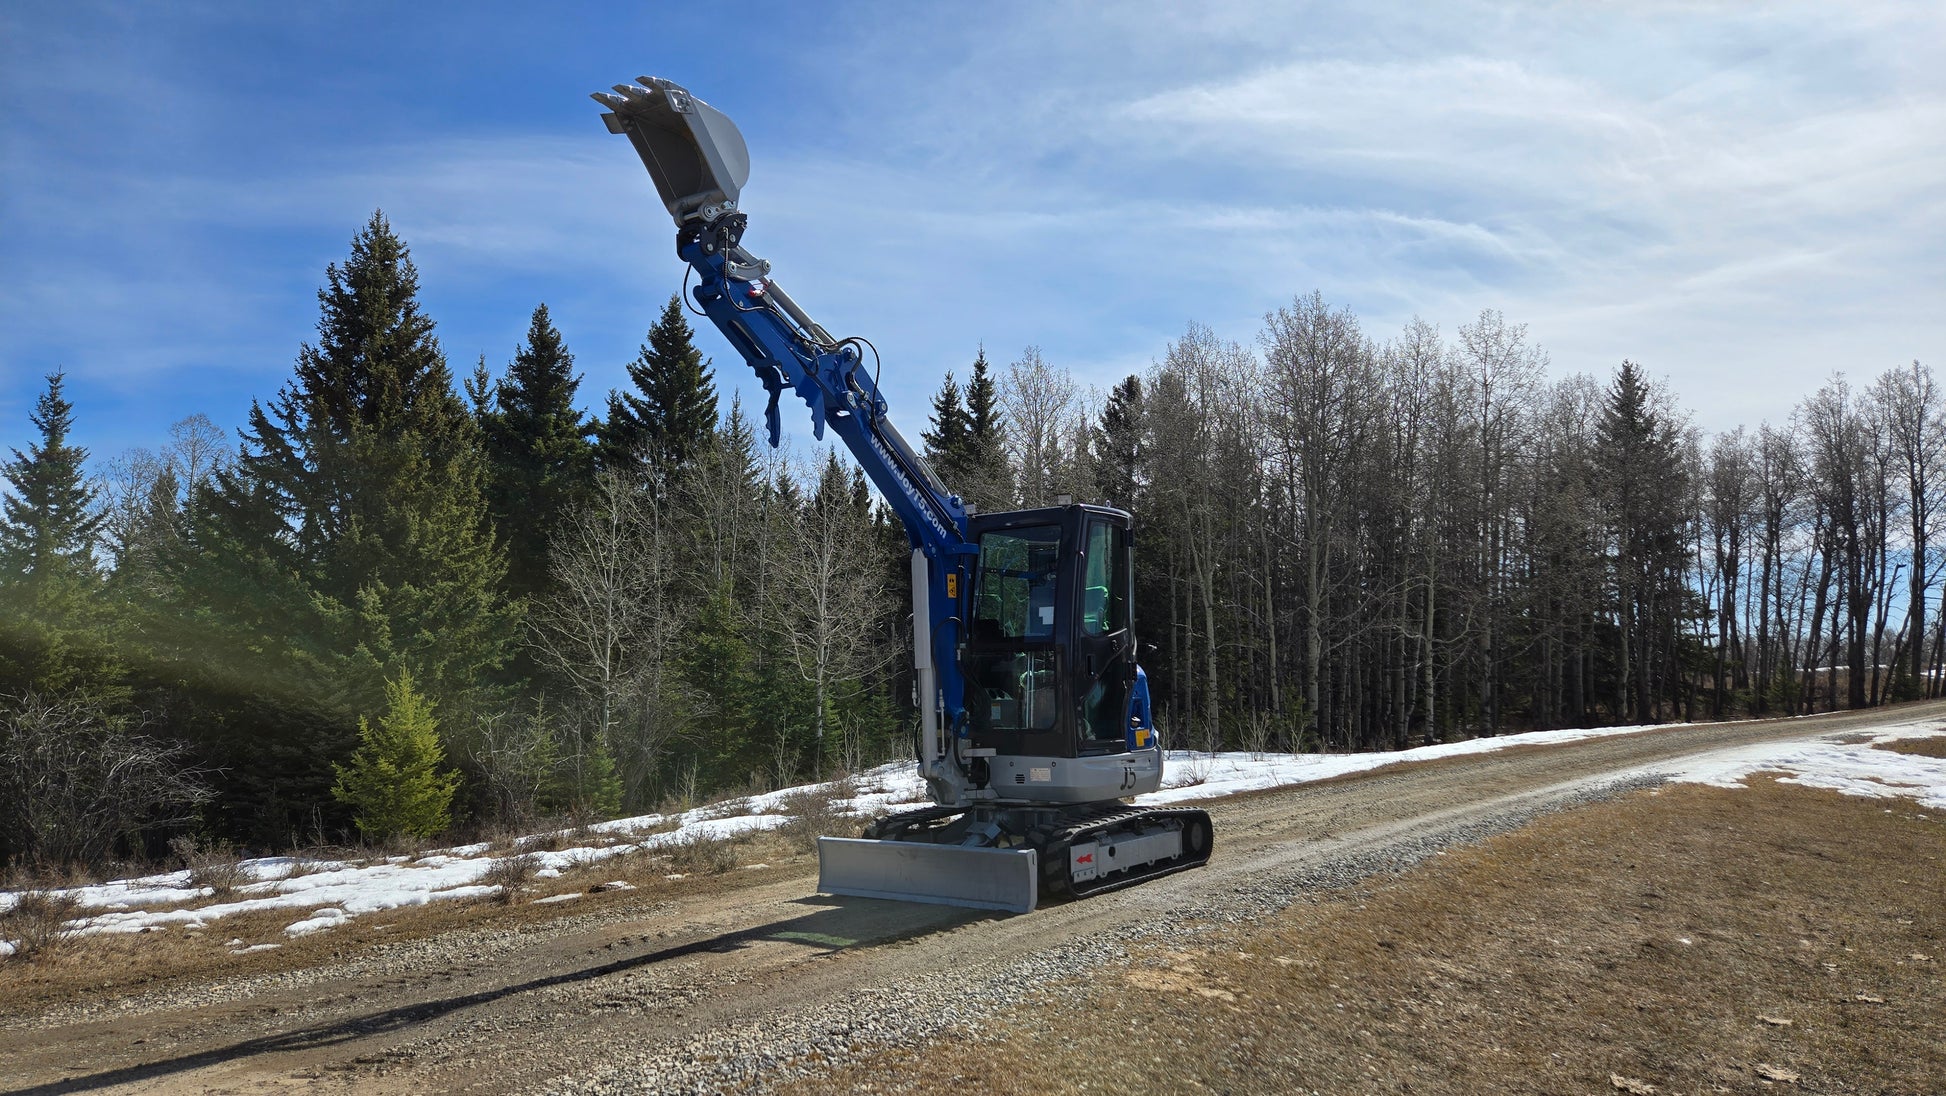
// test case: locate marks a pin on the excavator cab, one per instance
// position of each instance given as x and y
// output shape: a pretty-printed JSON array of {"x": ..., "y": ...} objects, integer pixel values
[{"x": 1049, "y": 658}]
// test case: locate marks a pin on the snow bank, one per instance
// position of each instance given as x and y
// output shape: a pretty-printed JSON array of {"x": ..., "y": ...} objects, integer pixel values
[{"x": 1191, "y": 774}]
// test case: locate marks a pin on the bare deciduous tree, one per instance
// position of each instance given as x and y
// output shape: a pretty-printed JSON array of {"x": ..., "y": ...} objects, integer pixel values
[
  {"x": 1915, "y": 418},
  {"x": 828, "y": 592},
  {"x": 606, "y": 630},
  {"x": 1039, "y": 402},
  {"x": 76, "y": 777}
]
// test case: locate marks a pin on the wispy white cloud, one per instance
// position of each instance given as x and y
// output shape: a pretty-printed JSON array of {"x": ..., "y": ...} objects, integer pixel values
[{"x": 1741, "y": 197}]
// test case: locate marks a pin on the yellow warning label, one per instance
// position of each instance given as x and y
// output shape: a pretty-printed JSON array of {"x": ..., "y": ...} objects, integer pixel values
[{"x": 952, "y": 584}]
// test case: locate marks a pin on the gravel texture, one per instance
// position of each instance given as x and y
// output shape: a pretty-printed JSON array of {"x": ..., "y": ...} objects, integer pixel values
[{"x": 775, "y": 1052}]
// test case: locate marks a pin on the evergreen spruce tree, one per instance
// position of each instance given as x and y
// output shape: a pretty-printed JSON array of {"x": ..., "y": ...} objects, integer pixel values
[
  {"x": 53, "y": 615},
  {"x": 1642, "y": 481},
  {"x": 947, "y": 442},
  {"x": 394, "y": 784},
  {"x": 989, "y": 478},
  {"x": 717, "y": 668},
  {"x": 672, "y": 412},
  {"x": 1118, "y": 444},
  {"x": 481, "y": 393},
  {"x": 540, "y": 459},
  {"x": 600, "y": 793},
  {"x": 590, "y": 783},
  {"x": 47, "y": 520},
  {"x": 351, "y": 536},
  {"x": 375, "y": 457}
]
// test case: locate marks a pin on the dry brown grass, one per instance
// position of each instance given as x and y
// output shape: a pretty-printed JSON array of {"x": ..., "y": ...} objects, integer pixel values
[
  {"x": 549, "y": 841},
  {"x": 815, "y": 814},
  {"x": 214, "y": 865},
  {"x": 512, "y": 875},
  {"x": 37, "y": 925},
  {"x": 700, "y": 852},
  {"x": 1694, "y": 940},
  {"x": 101, "y": 967},
  {"x": 1919, "y": 747}
]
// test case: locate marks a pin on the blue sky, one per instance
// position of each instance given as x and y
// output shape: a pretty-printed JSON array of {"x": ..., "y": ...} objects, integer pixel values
[{"x": 1741, "y": 197}]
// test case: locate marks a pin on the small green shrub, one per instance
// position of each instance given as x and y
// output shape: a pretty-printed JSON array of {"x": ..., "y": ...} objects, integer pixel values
[
  {"x": 394, "y": 783},
  {"x": 696, "y": 851}
]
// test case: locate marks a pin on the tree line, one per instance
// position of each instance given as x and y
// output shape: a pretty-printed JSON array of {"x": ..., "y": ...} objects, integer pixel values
[{"x": 405, "y": 601}]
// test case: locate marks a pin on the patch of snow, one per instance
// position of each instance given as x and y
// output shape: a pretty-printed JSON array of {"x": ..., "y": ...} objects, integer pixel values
[
  {"x": 1832, "y": 763},
  {"x": 327, "y": 918},
  {"x": 259, "y": 947},
  {"x": 568, "y": 897}
]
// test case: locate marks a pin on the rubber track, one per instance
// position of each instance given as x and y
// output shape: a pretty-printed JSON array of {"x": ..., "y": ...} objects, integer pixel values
[{"x": 1057, "y": 876}]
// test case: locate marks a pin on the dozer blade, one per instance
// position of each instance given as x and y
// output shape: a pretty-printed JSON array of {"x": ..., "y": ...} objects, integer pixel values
[
  {"x": 944, "y": 875},
  {"x": 693, "y": 151}
]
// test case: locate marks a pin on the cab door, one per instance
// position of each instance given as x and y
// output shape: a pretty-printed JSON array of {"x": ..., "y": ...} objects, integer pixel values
[{"x": 1103, "y": 651}]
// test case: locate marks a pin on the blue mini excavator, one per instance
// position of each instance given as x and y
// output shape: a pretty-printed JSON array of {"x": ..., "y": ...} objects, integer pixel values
[{"x": 1034, "y": 717}]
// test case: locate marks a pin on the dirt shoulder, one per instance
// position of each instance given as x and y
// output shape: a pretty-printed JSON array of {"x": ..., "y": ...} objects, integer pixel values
[{"x": 1688, "y": 939}]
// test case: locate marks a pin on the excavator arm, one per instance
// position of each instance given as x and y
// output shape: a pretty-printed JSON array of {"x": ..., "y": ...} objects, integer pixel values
[{"x": 699, "y": 163}]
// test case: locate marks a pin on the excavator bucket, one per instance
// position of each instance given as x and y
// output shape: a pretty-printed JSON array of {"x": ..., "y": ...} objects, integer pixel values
[
  {"x": 943, "y": 875},
  {"x": 693, "y": 151}
]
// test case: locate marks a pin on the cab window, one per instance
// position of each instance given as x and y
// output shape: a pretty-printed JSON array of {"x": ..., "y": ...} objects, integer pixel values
[
  {"x": 1014, "y": 590},
  {"x": 1104, "y": 585}
]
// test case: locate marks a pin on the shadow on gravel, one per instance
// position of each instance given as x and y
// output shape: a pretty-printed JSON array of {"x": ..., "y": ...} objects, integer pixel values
[{"x": 844, "y": 923}]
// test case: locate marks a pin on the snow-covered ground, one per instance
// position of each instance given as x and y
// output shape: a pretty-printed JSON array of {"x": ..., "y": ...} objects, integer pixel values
[
  {"x": 322, "y": 894},
  {"x": 1842, "y": 762}
]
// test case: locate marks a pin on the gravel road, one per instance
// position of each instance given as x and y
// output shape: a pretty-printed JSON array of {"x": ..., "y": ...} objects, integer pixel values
[{"x": 755, "y": 987}]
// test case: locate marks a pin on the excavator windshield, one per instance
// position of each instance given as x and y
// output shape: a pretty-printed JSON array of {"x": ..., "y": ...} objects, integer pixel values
[
  {"x": 1014, "y": 591},
  {"x": 1011, "y": 660},
  {"x": 1049, "y": 654}
]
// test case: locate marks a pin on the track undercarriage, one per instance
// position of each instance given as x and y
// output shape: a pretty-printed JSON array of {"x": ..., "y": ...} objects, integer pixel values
[{"x": 1011, "y": 857}]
